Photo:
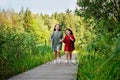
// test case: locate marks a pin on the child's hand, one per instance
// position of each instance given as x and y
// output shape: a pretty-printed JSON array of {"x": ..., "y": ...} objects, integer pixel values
[
  {"x": 61, "y": 40},
  {"x": 71, "y": 39}
]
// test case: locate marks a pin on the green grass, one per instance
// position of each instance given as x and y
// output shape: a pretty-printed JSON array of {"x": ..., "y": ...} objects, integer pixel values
[
  {"x": 12, "y": 65},
  {"x": 93, "y": 66},
  {"x": 20, "y": 52}
]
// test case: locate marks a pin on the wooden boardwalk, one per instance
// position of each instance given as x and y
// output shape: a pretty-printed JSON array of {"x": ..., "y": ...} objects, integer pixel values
[{"x": 50, "y": 71}]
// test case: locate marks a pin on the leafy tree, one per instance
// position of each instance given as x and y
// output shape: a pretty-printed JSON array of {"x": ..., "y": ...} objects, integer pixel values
[
  {"x": 27, "y": 20},
  {"x": 99, "y": 8}
]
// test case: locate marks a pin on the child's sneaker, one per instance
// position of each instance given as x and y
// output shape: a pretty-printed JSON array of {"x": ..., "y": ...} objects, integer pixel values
[
  {"x": 59, "y": 60},
  {"x": 66, "y": 61},
  {"x": 70, "y": 61},
  {"x": 54, "y": 62}
]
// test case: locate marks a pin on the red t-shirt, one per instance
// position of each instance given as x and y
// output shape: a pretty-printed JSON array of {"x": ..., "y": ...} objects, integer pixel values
[{"x": 69, "y": 44}]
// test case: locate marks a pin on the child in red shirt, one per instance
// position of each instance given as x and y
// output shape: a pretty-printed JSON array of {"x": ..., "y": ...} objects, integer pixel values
[{"x": 69, "y": 40}]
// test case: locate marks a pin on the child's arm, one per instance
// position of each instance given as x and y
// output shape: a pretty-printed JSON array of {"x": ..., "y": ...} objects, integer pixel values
[
  {"x": 51, "y": 37},
  {"x": 62, "y": 40},
  {"x": 72, "y": 38},
  {"x": 61, "y": 35}
]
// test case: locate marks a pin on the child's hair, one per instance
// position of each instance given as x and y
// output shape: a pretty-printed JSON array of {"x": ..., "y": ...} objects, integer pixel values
[
  {"x": 59, "y": 27},
  {"x": 69, "y": 30}
]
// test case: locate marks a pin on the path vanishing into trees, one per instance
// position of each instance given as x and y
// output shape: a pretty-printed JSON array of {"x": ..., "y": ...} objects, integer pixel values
[{"x": 50, "y": 71}]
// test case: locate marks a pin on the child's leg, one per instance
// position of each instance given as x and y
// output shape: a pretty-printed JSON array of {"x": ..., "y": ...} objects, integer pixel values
[
  {"x": 58, "y": 52},
  {"x": 55, "y": 54},
  {"x": 59, "y": 55},
  {"x": 70, "y": 55},
  {"x": 67, "y": 54}
]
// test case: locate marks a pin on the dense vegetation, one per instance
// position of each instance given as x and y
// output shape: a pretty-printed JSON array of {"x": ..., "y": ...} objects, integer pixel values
[
  {"x": 99, "y": 51},
  {"x": 24, "y": 39}
]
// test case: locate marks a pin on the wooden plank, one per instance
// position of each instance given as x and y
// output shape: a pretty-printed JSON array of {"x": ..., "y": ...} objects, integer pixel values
[{"x": 50, "y": 71}]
